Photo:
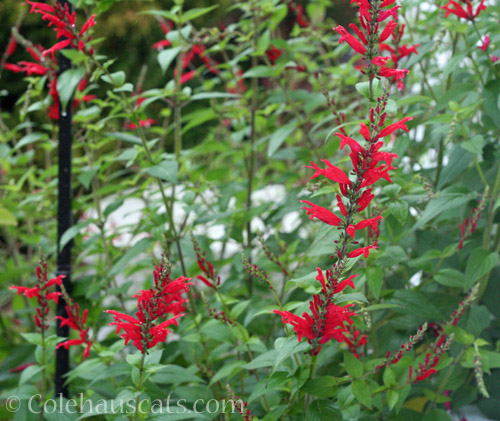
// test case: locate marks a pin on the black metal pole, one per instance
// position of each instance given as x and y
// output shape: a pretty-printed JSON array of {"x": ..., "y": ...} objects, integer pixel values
[{"x": 64, "y": 221}]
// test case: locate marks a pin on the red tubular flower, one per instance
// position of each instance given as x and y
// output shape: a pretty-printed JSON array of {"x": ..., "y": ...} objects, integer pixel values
[
  {"x": 63, "y": 22},
  {"x": 345, "y": 140},
  {"x": 456, "y": 9},
  {"x": 300, "y": 16},
  {"x": 321, "y": 213},
  {"x": 77, "y": 323},
  {"x": 144, "y": 331},
  {"x": 486, "y": 43},
  {"x": 42, "y": 293},
  {"x": 331, "y": 172},
  {"x": 395, "y": 126},
  {"x": 354, "y": 43},
  {"x": 365, "y": 251}
]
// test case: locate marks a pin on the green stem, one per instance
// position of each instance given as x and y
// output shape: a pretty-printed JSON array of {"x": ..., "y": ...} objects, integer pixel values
[
  {"x": 251, "y": 157},
  {"x": 139, "y": 385}
]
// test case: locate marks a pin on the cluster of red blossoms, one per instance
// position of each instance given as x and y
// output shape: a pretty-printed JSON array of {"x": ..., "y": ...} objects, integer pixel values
[
  {"x": 455, "y": 8},
  {"x": 42, "y": 293},
  {"x": 368, "y": 37},
  {"x": 397, "y": 50},
  {"x": 77, "y": 323},
  {"x": 63, "y": 22},
  {"x": 145, "y": 330},
  {"x": 370, "y": 163}
]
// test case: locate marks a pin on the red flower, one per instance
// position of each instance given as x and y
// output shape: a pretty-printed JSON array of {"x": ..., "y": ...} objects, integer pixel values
[
  {"x": 298, "y": 10},
  {"x": 353, "y": 42},
  {"x": 486, "y": 43},
  {"x": 322, "y": 214},
  {"x": 395, "y": 126},
  {"x": 273, "y": 54},
  {"x": 456, "y": 9},
  {"x": 331, "y": 172},
  {"x": 320, "y": 329},
  {"x": 365, "y": 251},
  {"x": 41, "y": 293},
  {"x": 144, "y": 330}
]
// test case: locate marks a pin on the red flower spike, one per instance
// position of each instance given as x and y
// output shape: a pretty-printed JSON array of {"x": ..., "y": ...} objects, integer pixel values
[
  {"x": 144, "y": 331},
  {"x": 321, "y": 213}
]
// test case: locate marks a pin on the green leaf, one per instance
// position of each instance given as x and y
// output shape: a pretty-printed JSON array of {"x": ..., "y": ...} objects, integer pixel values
[
  {"x": 491, "y": 93},
  {"x": 382, "y": 306},
  {"x": 7, "y": 217},
  {"x": 264, "y": 41},
  {"x": 163, "y": 13},
  {"x": 127, "y": 87},
  {"x": 279, "y": 136},
  {"x": 139, "y": 247},
  {"x": 399, "y": 209},
  {"x": 450, "y": 278},
  {"x": 286, "y": 347},
  {"x": 437, "y": 206},
  {"x": 392, "y": 398},
  {"x": 227, "y": 370},
  {"x": 355, "y": 296},
  {"x": 480, "y": 263},
  {"x": 85, "y": 177},
  {"x": 116, "y": 78},
  {"x": 375, "y": 280},
  {"x": 29, "y": 139},
  {"x": 166, "y": 170},
  {"x": 321, "y": 410},
  {"x": 211, "y": 95},
  {"x": 364, "y": 88},
  {"x": 389, "y": 377},
  {"x": 71, "y": 233},
  {"x": 196, "y": 13},
  {"x": 266, "y": 359},
  {"x": 353, "y": 365},
  {"x": 361, "y": 392},
  {"x": 261, "y": 71},
  {"x": 323, "y": 387},
  {"x": 29, "y": 372},
  {"x": 33, "y": 338},
  {"x": 474, "y": 145},
  {"x": 67, "y": 83},
  {"x": 134, "y": 359},
  {"x": 166, "y": 57}
]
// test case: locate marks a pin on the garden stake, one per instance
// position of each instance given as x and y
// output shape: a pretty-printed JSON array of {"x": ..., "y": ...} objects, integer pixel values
[{"x": 64, "y": 221}]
